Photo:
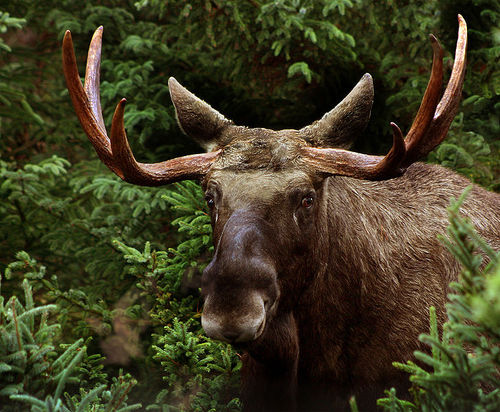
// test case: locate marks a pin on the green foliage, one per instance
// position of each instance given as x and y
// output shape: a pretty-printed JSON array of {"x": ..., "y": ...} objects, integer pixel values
[
  {"x": 470, "y": 154},
  {"x": 7, "y": 22},
  {"x": 200, "y": 375},
  {"x": 13, "y": 99},
  {"x": 461, "y": 371},
  {"x": 35, "y": 366},
  {"x": 24, "y": 345}
]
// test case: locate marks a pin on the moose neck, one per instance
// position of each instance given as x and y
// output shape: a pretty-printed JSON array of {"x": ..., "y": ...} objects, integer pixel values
[{"x": 375, "y": 238}]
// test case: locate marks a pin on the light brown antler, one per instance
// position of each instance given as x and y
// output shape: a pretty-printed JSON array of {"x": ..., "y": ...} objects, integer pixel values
[
  {"x": 115, "y": 152},
  {"x": 428, "y": 129}
]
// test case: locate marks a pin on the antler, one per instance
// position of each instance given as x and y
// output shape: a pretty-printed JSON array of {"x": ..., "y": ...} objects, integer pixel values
[
  {"x": 436, "y": 121},
  {"x": 428, "y": 129},
  {"x": 115, "y": 152}
]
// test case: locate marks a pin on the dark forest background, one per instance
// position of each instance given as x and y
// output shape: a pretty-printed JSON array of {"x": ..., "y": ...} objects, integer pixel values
[{"x": 99, "y": 306}]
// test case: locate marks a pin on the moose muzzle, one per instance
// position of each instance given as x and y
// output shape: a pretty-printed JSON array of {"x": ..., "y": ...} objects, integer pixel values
[{"x": 240, "y": 283}]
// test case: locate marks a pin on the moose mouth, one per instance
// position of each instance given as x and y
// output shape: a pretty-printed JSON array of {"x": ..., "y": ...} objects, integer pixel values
[
  {"x": 236, "y": 335},
  {"x": 236, "y": 326}
]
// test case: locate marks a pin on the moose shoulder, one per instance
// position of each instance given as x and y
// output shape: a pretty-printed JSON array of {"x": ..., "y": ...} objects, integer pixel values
[{"x": 326, "y": 260}]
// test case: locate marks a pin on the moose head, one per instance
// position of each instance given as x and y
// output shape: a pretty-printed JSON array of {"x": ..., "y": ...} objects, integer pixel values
[{"x": 287, "y": 269}]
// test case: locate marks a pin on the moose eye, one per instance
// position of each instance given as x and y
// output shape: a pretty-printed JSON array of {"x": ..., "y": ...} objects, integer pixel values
[
  {"x": 307, "y": 202},
  {"x": 210, "y": 201}
]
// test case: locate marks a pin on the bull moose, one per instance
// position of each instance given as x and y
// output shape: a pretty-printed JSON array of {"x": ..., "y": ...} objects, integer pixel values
[{"x": 326, "y": 260}]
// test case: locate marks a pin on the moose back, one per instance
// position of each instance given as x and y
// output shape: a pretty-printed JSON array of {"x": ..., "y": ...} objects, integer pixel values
[{"x": 326, "y": 260}]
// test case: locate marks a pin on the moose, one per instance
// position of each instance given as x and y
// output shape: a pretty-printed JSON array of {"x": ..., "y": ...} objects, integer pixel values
[{"x": 326, "y": 260}]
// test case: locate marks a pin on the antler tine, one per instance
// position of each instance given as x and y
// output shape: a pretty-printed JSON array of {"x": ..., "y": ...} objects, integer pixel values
[
  {"x": 429, "y": 102},
  {"x": 389, "y": 165},
  {"x": 81, "y": 102},
  {"x": 153, "y": 174},
  {"x": 425, "y": 140},
  {"x": 92, "y": 77}
]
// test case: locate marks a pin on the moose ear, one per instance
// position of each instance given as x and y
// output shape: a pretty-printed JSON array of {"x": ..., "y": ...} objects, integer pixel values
[
  {"x": 196, "y": 118},
  {"x": 340, "y": 126}
]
